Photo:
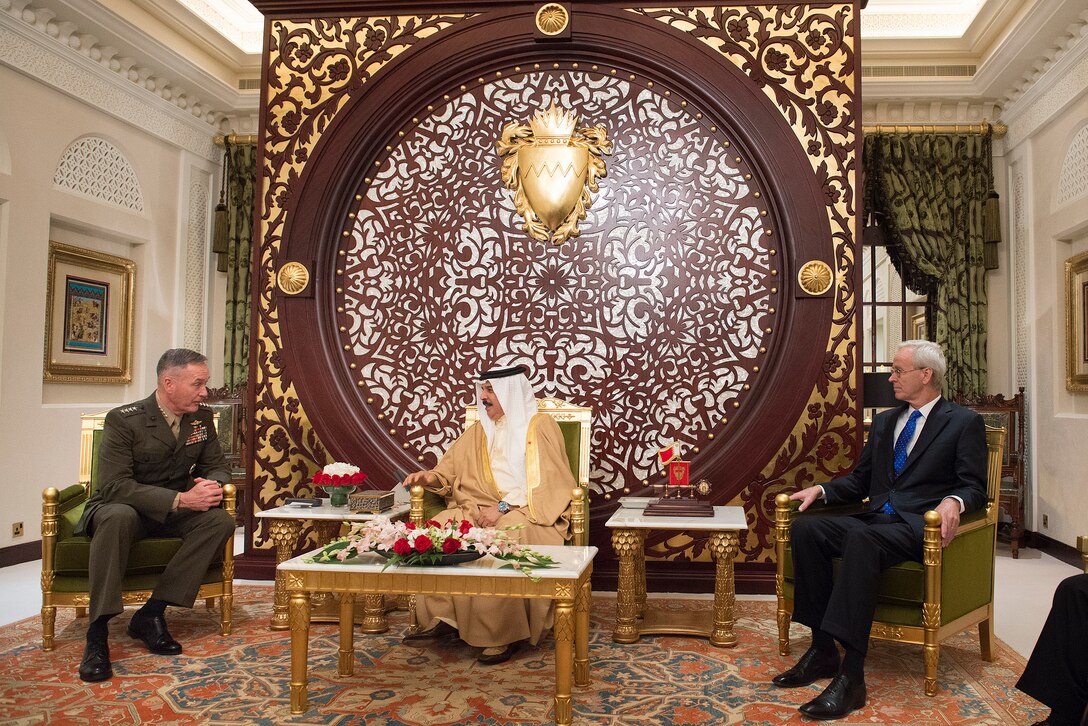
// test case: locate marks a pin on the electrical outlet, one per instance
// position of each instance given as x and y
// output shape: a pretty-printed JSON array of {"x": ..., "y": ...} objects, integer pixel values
[
  {"x": 17, "y": 529},
  {"x": 1046, "y": 521}
]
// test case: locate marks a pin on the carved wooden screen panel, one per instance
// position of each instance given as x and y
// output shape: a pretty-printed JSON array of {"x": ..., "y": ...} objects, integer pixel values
[{"x": 689, "y": 306}]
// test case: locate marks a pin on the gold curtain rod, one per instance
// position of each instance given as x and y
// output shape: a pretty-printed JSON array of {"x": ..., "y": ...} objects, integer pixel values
[
  {"x": 999, "y": 129},
  {"x": 236, "y": 139}
]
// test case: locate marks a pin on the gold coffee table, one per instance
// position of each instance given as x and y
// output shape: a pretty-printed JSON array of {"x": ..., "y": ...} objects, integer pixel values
[
  {"x": 629, "y": 527},
  {"x": 567, "y": 584}
]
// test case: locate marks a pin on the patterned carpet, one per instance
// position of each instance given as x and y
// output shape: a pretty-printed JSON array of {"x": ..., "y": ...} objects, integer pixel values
[{"x": 244, "y": 679}]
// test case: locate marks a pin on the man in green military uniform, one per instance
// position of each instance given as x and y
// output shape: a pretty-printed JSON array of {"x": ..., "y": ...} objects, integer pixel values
[{"x": 161, "y": 469}]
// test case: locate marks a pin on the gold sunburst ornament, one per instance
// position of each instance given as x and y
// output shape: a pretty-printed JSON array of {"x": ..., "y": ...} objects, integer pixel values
[
  {"x": 293, "y": 278},
  {"x": 815, "y": 277},
  {"x": 552, "y": 168},
  {"x": 552, "y": 19}
]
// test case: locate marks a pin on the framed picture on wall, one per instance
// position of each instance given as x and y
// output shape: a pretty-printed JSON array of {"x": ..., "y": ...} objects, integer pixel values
[
  {"x": 89, "y": 312},
  {"x": 918, "y": 326},
  {"x": 1076, "y": 323}
]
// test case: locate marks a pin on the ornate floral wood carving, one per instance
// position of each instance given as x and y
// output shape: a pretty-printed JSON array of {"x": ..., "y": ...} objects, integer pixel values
[{"x": 676, "y": 315}]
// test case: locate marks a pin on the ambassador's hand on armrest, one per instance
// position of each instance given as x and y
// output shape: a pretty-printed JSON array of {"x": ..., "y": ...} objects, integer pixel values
[
  {"x": 949, "y": 509},
  {"x": 205, "y": 494},
  {"x": 426, "y": 479},
  {"x": 807, "y": 496}
]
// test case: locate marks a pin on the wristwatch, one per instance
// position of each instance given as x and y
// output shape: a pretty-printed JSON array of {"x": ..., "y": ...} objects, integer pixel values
[{"x": 503, "y": 507}]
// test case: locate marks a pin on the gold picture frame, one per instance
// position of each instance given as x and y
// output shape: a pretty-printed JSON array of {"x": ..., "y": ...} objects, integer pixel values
[
  {"x": 918, "y": 326},
  {"x": 1076, "y": 323},
  {"x": 90, "y": 300}
]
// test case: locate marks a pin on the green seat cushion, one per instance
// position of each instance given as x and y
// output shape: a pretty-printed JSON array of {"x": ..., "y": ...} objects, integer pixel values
[
  {"x": 148, "y": 556},
  {"x": 70, "y": 583},
  {"x": 903, "y": 583},
  {"x": 966, "y": 580}
]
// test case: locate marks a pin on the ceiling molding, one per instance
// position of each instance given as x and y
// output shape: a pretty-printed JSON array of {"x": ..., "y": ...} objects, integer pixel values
[
  {"x": 1062, "y": 82},
  {"x": 39, "y": 56}
]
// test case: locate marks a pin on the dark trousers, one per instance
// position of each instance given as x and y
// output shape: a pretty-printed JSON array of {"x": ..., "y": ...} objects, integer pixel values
[
  {"x": 868, "y": 544},
  {"x": 116, "y": 527},
  {"x": 1057, "y": 671}
]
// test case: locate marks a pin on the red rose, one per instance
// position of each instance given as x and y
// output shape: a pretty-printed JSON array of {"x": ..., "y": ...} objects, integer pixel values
[
  {"x": 358, "y": 477},
  {"x": 401, "y": 547},
  {"x": 431, "y": 523},
  {"x": 451, "y": 545},
  {"x": 423, "y": 543},
  {"x": 319, "y": 479},
  {"x": 410, "y": 525},
  {"x": 465, "y": 526}
]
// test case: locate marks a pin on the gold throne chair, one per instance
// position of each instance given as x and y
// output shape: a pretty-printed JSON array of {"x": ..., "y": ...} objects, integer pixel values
[
  {"x": 925, "y": 602},
  {"x": 65, "y": 580}
]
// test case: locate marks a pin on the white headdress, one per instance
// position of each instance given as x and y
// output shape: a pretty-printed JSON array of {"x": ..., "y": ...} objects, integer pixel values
[{"x": 518, "y": 401}]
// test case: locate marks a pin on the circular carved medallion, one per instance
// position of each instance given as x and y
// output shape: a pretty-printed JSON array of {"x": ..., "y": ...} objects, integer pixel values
[
  {"x": 815, "y": 277},
  {"x": 293, "y": 278},
  {"x": 552, "y": 19},
  {"x": 663, "y": 303}
]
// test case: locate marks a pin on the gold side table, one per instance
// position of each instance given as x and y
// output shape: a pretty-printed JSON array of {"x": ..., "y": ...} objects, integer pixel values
[
  {"x": 285, "y": 526},
  {"x": 629, "y": 527},
  {"x": 568, "y": 584}
]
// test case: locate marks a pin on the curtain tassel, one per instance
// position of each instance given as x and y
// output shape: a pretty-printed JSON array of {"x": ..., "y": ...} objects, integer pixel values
[
  {"x": 991, "y": 230},
  {"x": 219, "y": 237}
]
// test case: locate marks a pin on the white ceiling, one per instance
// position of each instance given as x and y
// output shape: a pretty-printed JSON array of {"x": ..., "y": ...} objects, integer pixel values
[{"x": 912, "y": 50}]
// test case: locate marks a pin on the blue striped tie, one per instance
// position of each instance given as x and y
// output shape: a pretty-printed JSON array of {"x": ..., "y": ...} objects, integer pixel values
[{"x": 900, "y": 451}]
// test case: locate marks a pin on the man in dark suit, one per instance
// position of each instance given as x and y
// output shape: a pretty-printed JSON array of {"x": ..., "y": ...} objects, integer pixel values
[
  {"x": 160, "y": 468},
  {"x": 1057, "y": 671},
  {"x": 926, "y": 454}
]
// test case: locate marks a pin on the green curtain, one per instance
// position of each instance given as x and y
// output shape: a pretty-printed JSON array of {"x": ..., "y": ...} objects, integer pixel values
[
  {"x": 931, "y": 190},
  {"x": 241, "y": 174}
]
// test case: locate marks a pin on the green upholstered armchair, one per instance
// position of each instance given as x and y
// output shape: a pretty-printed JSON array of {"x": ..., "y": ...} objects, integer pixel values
[
  {"x": 64, "y": 556},
  {"x": 918, "y": 602},
  {"x": 575, "y": 423}
]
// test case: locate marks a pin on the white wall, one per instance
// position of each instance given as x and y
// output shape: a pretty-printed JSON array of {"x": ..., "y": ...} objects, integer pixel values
[
  {"x": 39, "y": 422},
  {"x": 1051, "y": 233}
]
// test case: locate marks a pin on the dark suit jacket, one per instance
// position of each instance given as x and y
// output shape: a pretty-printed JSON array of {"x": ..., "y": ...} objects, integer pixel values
[
  {"x": 141, "y": 464},
  {"x": 948, "y": 459}
]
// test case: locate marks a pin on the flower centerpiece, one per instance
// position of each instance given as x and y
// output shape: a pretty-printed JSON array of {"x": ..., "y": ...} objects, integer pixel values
[
  {"x": 403, "y": 543},
  {"x": 339, "y": 480}
]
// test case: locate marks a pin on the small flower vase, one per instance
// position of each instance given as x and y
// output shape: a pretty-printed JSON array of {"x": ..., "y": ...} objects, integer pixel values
[{"x": 338, "y": 496}]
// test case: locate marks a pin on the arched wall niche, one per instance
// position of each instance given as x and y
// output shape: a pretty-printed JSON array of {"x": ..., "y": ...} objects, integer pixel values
[{"x": 352, "y": 211}]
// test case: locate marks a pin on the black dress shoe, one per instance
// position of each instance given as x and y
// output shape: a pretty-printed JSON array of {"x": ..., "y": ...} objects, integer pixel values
[
  {"x": 502, "y": 657},
  {"x": 95, "y": 665},
  {"x": 813, "y": 666},
  {"x": 154, "y": 634},
  {"x": 435, "y": 632},
  {"x": 841, "y": 696}
]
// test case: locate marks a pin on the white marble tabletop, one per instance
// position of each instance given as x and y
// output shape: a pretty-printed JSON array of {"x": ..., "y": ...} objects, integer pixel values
[
  {"x": 571, "y": 563},
  {"x": 342, "y": 514},
  {"x": 725, "y": 518}
]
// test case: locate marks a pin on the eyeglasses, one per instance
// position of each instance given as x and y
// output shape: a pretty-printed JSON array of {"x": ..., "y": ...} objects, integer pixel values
[{"x": 898, "y": 372}]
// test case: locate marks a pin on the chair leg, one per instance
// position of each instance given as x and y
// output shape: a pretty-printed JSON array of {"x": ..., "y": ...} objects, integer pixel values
[
  {"x": 49, "y": 621},
  {"x": 209, "y": 603},
  {"x": 413, "y": 621},
  {"x": 225, "y": 622},
  {"x": 783, "y": 616},
  {"x": 931, "y": 653},
  {"x": 986, "y": 638}
]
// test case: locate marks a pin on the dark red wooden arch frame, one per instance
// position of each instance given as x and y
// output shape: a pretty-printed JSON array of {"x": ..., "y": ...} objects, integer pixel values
[{"x": 499, "y": 39}]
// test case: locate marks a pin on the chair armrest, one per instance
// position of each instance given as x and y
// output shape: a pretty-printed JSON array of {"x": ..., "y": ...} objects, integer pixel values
[{"x": 1082, "y": 545}]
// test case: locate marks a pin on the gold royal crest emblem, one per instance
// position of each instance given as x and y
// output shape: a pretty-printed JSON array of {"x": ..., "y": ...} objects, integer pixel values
[{"x": 553, "y": 171}]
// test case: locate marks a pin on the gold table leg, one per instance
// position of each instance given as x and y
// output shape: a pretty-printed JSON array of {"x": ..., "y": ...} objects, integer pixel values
[
  {"x": 347, "y": 629},
  {"x": 299, "y": 623},
  {"x": 564, "y": 658},
  {"x": 581, "y": 635},
  {"x": 628, "y": 544},
  {"x": 285, "y": 534},
  {"x": 723, "y": 548}
]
